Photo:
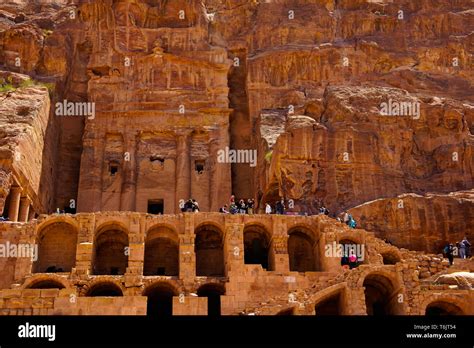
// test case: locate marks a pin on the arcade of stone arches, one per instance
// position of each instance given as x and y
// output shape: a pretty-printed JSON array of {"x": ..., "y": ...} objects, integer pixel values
[{"x": 160, "y": 252}]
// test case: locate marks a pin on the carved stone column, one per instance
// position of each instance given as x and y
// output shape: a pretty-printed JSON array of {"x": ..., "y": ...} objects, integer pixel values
[
  {"x": 24, "y": 209},
  {"x": 187, "y": 255},
  {"x": 31, "y": 214},
  {"x": 14, "y": 208},
  {"x": 279, "y": 245},
  {"x": 183, "y": 168},
  {"x": 234, "y": 246},
  {"x": 85, "y": 247}
]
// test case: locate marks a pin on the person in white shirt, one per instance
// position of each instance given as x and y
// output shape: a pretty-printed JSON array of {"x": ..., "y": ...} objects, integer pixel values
[
  {"x": 268, "y": 208},
  {"x": 346, "y": 218}
]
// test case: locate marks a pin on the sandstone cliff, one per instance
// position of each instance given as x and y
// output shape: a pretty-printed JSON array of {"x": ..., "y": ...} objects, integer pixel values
[
  {"x": 26, "y": 140},
  {"x": 300, "y": 81},
  {"x": 351, "y": 153},
  {"x": 417, "y": 222}
]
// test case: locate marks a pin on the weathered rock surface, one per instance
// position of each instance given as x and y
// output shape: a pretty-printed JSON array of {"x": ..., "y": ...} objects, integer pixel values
[
  {"x": 420, "y": 222},
  {"x": 306, "y": 94},
  {"x": 25, "y": 128},
  {"x": 351, "y": 153},
  {"x": 291, "y": 59},
  {"x": 464, "y": 280},
  {"x": 306, "y": 83}
]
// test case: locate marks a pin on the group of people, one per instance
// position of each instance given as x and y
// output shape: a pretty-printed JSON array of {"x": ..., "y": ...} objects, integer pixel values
[
  {"x": 349, "y": 261},
  {"x": 246, "y": 206},
  {"x": 191, "y": 205},
  {"x": 241, "y": 207},
  {"x": 348, "y": 219},
  {"x": 279, "y": 207},
  {"x": 461, "y": 249},
  {"x": 323, "y": 210}
]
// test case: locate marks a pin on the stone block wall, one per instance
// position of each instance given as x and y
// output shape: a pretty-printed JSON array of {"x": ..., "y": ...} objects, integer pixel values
[{"x": 240, "y": 288}]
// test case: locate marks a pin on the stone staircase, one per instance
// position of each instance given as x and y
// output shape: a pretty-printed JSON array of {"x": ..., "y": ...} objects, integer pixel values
[
  {"x": 319, "y": 280},
  {"x": 462, "y": 265}
]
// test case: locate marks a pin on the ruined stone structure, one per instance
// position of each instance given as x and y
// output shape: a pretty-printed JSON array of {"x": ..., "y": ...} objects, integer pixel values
[
  {"x": 115, "y": 111},
  {"x": 211, "y": 263},
  {"x": 419, "y": 222}
]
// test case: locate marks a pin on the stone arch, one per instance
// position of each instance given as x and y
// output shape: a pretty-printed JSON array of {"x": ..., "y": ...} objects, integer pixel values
[
  {"x": 160, "y": 299},
  {"x": 211, "y": 224},
  {"x": 46, "y": 220},
  {"x": 257, "y": 247},
  {"x": 111, "y": 224},
  {"x": 330, "y": 306},
  {"x": 110, "y": 254},
  {"x": 161, "y": 251},
  {"x": 62, "y": 282},
  {"x": 302, "y": 250},
  {"x": 330, "y": 301},
  {"x": 390, "y": 257},
  {"x": 209, "y": 249},
  {"x": 348, "y": 241},
  {"x": 351, "y": 236},
  {"x": 348, "y": 244},
  {"x": 57, "y": 244},
  {"x": 442, "y": 307},
  {"x": 213, "y": 292},
  {"x": 104, "y": 288},
  {"x": 46, "y": 283},
  {"x": 445, "y": 304},
  {"x": 263, "y": 222},
  {"x": 161, "y": 225},
  {"x": 381, "y": 294}
]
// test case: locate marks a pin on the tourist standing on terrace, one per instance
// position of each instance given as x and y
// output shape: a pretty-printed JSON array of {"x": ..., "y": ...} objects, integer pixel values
[
  {"x": 345, "y": 218},
  {"x": 242, "y": 207},
  {"x": 250, "y": 203},
  {"x": 224, "y": 209},
  {"x": 280, "y": 207},
  {"x": 464, "y": 247},
  {"x": 268, "y": 208}
]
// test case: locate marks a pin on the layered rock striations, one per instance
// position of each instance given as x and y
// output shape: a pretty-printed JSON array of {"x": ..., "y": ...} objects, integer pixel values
[
  {"x": 26, "y": 148},
  {"x": 353, "y": 153},
  {"x": 418, "y": 222},
  {"x": 345, "y": 102},
  {"x": 120, "y": 110}
]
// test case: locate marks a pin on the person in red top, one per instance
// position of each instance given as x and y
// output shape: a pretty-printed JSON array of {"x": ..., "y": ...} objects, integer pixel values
[{"x": 352, "y": 260}]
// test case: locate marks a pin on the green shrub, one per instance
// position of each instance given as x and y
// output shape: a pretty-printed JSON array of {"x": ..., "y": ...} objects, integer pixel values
[
  {"x": 27, "y": 83},
  {"x": 268, "y": 156},
  {"x": 8, "y": 87}
]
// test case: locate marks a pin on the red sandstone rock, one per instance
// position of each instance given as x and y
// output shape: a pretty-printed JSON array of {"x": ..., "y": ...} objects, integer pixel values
[
  {"x": 173, "y": 83},
  {"x": 420, "y": 222},
  {"x": 24, "y": 122},
  {"x": 350, "y": 153}
]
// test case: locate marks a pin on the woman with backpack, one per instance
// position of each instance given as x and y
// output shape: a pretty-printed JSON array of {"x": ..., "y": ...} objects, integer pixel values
[{"x": 448, "y": 251}]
